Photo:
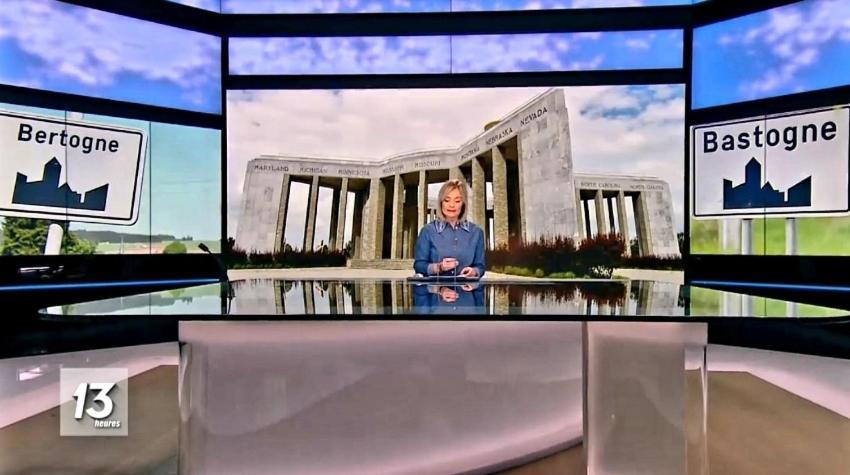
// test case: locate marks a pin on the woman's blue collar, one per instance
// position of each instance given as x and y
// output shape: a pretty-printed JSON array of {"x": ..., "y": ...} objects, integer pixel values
[{"x": 440, "y": 225}]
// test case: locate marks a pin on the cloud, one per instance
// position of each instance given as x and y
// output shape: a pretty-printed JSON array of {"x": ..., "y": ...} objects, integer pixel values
[
  {"x": 637, "y": 44},
  {"x": 377, "y": 123},
  {"x": 481, "y": 5},
  {"x": 340, "y": 55},
  {"x": 787, "y": 43},
  {"x": 95, "y": 49},
  {"x": 443, "y": 54},
  {"x": 333, "y": 6},
  {"x": 212, "y": 5}
]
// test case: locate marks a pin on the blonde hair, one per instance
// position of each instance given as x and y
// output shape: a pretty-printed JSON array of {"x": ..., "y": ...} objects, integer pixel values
[{"x": 445, "y": 189}]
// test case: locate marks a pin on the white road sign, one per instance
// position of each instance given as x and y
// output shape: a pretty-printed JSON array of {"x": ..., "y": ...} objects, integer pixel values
[
  {"x": 784, "y": 165},
  {"x": 66, "y": 170}
]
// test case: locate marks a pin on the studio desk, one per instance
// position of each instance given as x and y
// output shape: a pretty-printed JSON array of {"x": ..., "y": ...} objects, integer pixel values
[{"x": 396, "y": 376}]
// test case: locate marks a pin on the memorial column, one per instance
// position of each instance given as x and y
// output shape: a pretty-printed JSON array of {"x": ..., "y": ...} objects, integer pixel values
[
  {"x": 500, "y": 198},
  {"x": 374, "y": 225},
  {"x": 397, "y": 225},
  {"x": 334, "y": 219},
  {"x": 339, "y": 240},
  {"x": 479, "y": 198},
  {"x": 357, "y": 226},
  {"x": 283, "y": 203},
  {"x": 312, "y": 205},
  {"x": 601, "y": 222},
  {"x": 422, "y": 199},
  {"x": 623, "y": 220},
  {"x": 580, "y": 215}
]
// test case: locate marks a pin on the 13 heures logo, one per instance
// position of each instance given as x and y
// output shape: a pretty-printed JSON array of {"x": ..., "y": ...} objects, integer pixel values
[{"x": 93, "y": 402}]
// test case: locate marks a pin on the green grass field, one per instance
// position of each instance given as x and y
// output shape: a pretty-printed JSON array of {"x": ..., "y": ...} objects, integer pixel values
[
  {"x": 153, "y": 248},
  {"x": 815, "y": 237},
  {"x": 708, "y": 302}
]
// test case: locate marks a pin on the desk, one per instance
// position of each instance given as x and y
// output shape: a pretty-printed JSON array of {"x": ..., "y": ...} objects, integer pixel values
[
  {"x": 577, "y": 300},
  {"x": 371, "y": 377}
]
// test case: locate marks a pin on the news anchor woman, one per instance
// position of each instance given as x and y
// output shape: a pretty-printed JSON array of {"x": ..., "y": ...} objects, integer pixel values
[{"x": 450, "y": 245}]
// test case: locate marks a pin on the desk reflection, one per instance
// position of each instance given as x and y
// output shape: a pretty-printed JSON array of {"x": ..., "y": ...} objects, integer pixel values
[
  {"x": 447, "y": 298},
  {"x": 314, "y": 297}
]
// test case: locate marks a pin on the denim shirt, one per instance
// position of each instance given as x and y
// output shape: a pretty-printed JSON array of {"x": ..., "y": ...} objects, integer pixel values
[{"x": 438, "y": 240}]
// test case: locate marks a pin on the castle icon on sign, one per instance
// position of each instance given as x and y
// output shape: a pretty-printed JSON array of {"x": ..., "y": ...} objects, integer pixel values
[
  {"x": 752, "y": 194},
  {"x": 47, "y": 192}
]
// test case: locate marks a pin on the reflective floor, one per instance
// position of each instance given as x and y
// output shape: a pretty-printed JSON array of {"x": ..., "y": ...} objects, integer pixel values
[
  {"x": 626, "y": 298},
  {"x": 404, "y": 397}
]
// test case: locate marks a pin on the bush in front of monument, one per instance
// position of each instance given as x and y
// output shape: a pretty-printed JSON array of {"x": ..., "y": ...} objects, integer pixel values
[
  {"x": 599, "y": 255},
  {"x": 289, "y": 257},
  {"x": 559, "y": 256}
]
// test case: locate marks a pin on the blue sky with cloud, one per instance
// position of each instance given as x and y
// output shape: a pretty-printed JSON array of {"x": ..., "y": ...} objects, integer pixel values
[
  {"x": 51, "y": 45},
  {"x": 405, "y": 6},
  {"x": 458, "y": 54},
  {"x": 795, "y": 48},
  {"x": 340, "y": 55}
]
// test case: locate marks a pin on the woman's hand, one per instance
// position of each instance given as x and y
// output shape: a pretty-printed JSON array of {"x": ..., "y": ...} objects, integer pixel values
[
  {"x": 469, "y": 272},
  {"x": 448, "y": 295},
  {"x": 447, "y": 264}
]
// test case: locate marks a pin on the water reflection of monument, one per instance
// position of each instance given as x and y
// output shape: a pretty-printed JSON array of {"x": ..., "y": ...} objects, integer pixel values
[{"x": 314, "y": 297}]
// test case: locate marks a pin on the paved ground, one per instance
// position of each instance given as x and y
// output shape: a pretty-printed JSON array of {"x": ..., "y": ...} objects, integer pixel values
[
  {"x": 673, "y": 276},
  {"x": 319, "y": 273}
]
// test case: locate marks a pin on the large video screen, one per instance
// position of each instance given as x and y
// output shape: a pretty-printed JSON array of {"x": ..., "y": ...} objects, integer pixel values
[
  {"x": 106, "y": 185},
  {"x": 772, "y": 185},
  {"x": 358, "y": 172},
  {"x": 401, "y": 6},
  {"x": 585, "y": 51},
  {"x": 786, "y": 50},
  {"x": 56, "y": 46}
]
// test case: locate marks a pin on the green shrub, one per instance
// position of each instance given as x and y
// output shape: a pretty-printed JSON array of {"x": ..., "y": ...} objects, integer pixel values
[
  {"x": 593, "y": 257},
  {"x": 175, "y": 247},
  {"x": 239, "y": 259}
]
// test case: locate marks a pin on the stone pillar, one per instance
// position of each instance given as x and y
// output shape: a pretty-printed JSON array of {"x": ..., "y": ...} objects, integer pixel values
[
  {"x": 333, "y": 305},
  {"x": 312, "y": 205},
  {"x": 397, "y": 225},
  {"x": 339, "y": 240},
  {"x": 334, "y": 219},
  {"x": 422, "y": 199},
  {"x": 455, "y": 174},
  {"x": 373, "y": 243},
  {"x": 309, "y": 304},
  {"x": 478, "y": 200},
  {"x": 642, "y": 224},
  {"x": 623, "y": 220},
  {"x": 282, "y": 207},
  {"x": 500, "y": 198},
  {"x": 357, "y": 225},
  {"x": 601, "y": 222},
  {"x": 580, "y": 215},
  {"x": 397, "y": 297},
  {"x": 501, "y": 300},
  {"x": 340, "y": 298}
]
